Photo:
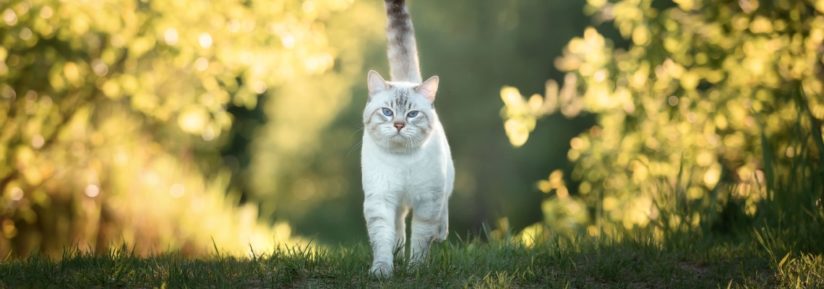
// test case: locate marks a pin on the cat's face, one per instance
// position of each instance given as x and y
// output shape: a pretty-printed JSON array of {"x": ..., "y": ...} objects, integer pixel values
[{"x": 399, "y": 116}]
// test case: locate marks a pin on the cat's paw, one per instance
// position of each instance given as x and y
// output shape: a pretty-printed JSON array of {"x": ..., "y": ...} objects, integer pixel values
[
  {"x": 381, "y": 270},
  {"x": 417, "y": 261},
  {"x": 415, "y": 264},
  {"x": 442, "y": 234}
]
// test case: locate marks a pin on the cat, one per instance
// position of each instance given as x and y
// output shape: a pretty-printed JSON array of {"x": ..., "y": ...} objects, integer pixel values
[{"x": 405, "y": 159}]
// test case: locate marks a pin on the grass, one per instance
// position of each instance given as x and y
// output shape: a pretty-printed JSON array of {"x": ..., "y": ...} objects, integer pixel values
[{"x": 559, "y": 263}]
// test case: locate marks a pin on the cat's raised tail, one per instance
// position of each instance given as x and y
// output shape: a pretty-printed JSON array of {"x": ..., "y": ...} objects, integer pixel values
[{"x": 402, "y": 49}]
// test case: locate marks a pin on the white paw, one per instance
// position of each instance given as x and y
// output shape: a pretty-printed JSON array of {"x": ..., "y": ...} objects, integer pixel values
[
  {"x": 381, "y": 270},
  {"x": 415, "y": 263},
  {"x": 417, "y": 260},
  {"x": 443, "y": 233}
]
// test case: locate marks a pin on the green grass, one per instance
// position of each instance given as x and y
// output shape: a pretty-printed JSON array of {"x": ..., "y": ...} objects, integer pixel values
[{"x": 560, "y": 263}]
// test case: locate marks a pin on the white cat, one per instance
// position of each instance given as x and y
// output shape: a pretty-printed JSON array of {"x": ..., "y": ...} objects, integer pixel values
[{"x": 405, "y": 159}]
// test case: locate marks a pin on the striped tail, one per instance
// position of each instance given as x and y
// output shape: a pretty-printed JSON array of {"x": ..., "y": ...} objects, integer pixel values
[{"x": 402, "y": 49}]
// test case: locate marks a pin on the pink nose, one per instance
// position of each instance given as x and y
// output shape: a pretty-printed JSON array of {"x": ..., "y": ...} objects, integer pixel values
[{"x": 399, "y": 125}]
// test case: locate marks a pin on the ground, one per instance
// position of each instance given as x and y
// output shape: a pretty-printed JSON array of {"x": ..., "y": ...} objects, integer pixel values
[{"x": 700, "y": 262}]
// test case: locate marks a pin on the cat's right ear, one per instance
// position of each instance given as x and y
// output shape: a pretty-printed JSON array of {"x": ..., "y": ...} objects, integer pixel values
[{"x": 375, "y": 83}]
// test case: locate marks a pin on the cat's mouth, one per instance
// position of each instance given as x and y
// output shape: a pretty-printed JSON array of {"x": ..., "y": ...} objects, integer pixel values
[{"x": 398, "y": 138}]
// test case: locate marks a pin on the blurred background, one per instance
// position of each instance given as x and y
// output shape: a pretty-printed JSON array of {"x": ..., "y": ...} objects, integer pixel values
[{"x": 179, "y": 125}]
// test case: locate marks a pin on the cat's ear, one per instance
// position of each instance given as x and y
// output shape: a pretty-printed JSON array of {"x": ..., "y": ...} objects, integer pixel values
[
  {"x": 375, "y": 83},
  {"x": 429, "y": 88}
]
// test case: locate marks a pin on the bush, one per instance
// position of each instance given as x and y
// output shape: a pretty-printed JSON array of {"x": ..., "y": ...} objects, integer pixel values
[
  {"x": 113, "y": 115},
  {"x": 705, "y": 111}
]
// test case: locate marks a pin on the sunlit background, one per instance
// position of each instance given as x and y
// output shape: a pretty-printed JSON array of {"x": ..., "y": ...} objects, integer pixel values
[{"x": 197, "y": 126}]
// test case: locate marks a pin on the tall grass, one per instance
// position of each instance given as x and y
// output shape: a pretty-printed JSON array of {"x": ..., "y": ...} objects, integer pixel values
[
  {"x": 792, "y": 217},
  {"x": 790, "y": 214}
]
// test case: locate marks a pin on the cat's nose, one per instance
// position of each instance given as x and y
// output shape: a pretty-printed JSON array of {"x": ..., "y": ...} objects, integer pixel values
[{"x": 399, "y": 125}]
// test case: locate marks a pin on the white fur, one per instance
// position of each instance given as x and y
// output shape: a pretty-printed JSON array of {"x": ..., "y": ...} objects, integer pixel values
[{"x": 404, "y": 169}]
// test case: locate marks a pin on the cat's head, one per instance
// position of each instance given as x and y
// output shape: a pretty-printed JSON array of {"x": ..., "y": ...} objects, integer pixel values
[{"x": 399, "y": 116}]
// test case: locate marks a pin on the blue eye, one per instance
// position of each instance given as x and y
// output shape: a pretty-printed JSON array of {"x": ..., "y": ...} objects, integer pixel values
[
  {"x": 387, "y": 112},
  {"x": 412, "y": 114}
]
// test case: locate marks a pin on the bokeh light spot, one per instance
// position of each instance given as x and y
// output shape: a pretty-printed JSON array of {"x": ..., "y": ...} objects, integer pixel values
[{"x": 92, "y": 190}]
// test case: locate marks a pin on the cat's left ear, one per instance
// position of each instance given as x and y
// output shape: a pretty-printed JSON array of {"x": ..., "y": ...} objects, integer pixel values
[{"x": 428, "y": 88}]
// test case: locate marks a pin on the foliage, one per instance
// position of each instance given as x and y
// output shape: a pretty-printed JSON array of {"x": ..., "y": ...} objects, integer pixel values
[
  {"x": 703, "y": 110},
  {"x": 113, "y": 113}
]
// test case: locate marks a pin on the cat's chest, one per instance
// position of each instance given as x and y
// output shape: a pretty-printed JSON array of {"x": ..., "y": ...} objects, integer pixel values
[
  {"x": 405, "y": 169},
  {"x": 406, "y": 175}
]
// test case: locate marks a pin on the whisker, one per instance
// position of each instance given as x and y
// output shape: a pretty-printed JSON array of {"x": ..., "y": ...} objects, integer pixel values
[
  {"x": 358, "y": 143},
  {"x": 353, "y": 147}
]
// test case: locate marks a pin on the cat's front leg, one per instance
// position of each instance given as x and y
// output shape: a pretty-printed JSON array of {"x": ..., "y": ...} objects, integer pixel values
[
  {"x": 400, "y": 231},
  {"x": 443, "y": 229},
  {"x": 380, "y": 222},
  {"x": 427, "y": 226}
]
